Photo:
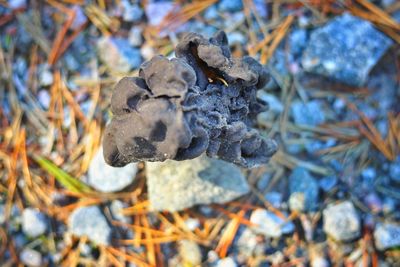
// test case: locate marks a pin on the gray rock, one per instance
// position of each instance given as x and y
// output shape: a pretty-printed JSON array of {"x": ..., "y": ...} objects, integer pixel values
[
  {"x": 269, "y": 224},
  {"x": 387, "y": 235},
  {"x": 132, "y": 13},
  {"x": 328, "y": 183},
  {"x": 303, "y": 190},
  {"x": 190, "y": 253},
  {"x": 105, "y": 178},
  {"x": 156, "y": 11},
  {"x": 176, "y": 185},
  {"x": 116, "y": 211},
  {"x": 16, "y": 4},
  {"x": 230, "y": 5},
  {"x": 34, "y": 223},
  {"x": 274, "y": 104},
  {"x": 45, "y": 75},
  {"x": 80, "y": 17},
  {"x": 2, "y": 214},
  {"x": 30, "y": 257},
  {"x": 135, "y": 36},
  {"x": 44, "y": 98},
  {"x": 89, "y": 221},
  {"x": 341, "y": 221},
  {"x": 236, "y": 37},
  {"x": 275, "y": 198},
  {"x": 297, "y": 41},
  {"x": 211, "y": 13},
  {"x": 226, "y": 262},
  {"x": 247, "y": 242},
  {"x": 394, "y": 170},
  {"x": 345, "y": 49},
  {"x": 310, "y": 113},
  {"x": 118, "y": 54}
]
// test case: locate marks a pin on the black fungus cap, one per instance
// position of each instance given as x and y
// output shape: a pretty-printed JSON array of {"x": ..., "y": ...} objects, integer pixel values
[{"x": 202, "y": 101}]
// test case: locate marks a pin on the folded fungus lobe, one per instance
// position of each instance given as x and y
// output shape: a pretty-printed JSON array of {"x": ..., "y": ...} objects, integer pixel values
[{"x": 201, "y": 101}]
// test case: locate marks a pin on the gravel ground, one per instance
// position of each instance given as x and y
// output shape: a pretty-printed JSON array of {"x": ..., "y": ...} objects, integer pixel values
[{"x": 329, "y": 197}]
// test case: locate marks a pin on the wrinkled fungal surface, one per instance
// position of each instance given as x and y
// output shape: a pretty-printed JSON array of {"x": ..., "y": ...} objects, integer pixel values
[{"x": 201, "y": 101}]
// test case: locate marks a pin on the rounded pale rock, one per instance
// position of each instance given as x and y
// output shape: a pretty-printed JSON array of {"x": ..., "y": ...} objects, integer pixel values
[
  {"x": 31, "y": 258},
  {"x": 174, "y": 186},
  {"x": 387, "y": 235},
  {"x": 269, "y": 224},
  {"x": 34, "y": 223},
  {"x": 90, "y": 221},
  {"x": 106, "y": 178},
  {"x": 342, "y": 222}
]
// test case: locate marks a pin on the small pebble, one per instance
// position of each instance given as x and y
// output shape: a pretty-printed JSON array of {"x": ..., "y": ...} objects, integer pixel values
[
  {"x": 135, "y": 36},
  {"x": 156, "y": 11},
  {"x": 230, "y": 5},
  {"x": 34, "y": 223},
  {"x": 116, "y": 208},
  {"x": 310, "y": 113},
  {"x": 303, "y": 190},
  {"x": 341, "y": 221},
  {"x": 328, "y": 183},
  {"x": 270, "y": 224},
  {"x": 226, "y": 262},
  {"x": 387, "y": 235},
  {"x": 106, "y": 178},
  {"x": 30, "y": 257},
  {"x": 89, "y": 221},
  {"x": 190, "y": 253}
]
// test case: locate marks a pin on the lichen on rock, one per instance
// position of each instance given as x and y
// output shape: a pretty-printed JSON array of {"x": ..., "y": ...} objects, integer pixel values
[{"x": 203, "y": 101}]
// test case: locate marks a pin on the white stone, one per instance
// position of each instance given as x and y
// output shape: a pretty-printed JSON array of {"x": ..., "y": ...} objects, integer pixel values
[
  {"x": 105, "y": 178},
  {"x": 89, "y": 221},
  {"x": 341, "y": 221},
  {"x": 34, "y": 223},
  {"x": 269, "y": 224},
  {"x": 176, "y": 185}
]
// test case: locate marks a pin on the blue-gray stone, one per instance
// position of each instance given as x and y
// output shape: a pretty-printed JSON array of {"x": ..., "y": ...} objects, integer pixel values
[
  {"x": 269, "y": 224},
  {"x": 118, "y": 54},
  {"x": 387, "y": 235},
  {"x": 176, "y": 185},
  {"x": 310, "y": 113},
  {"x": 274, "y": 198},
  {"x": 226, "y": 262},
  {"x": 31, "y": 258},
  {"x": 303, "y": 190},
  {"x": 394, "y": 170},
  {"x": 156, "y": 11},
  {"x": 2, "y": 214},
  {"x": 211, "y": 13},
  {"x": 297, "y": 41},
  {"x": 106, "y": 178},
  {"x": 89, "y": 221},
  {"x": 341, "y": 221},
  {"x": 345, "y": 49},
  {"x": 230, "y": 5},
  {"x": 34, "y": 223},
  {"x": 116, "y": 208},
  {"x": 328, "y": 183},
  {"x": 132, "y": 13}
]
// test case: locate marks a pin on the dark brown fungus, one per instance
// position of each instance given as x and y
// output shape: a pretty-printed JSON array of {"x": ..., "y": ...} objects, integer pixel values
[{"x": 203, "y": 101}]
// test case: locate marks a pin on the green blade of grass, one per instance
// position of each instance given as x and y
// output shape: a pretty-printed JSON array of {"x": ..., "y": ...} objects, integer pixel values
[{"x": 66, "y": 180}]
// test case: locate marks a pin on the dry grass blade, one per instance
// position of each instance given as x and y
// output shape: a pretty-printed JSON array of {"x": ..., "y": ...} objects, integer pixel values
[
  {"x": 279, "y": 34},
  {"x": 229, "y": 235},
  {"x": 62, "y": 177},
  {"x": 175, "y": 19},
  {"x": 136, "y": 259},
  {"x": 377, "y": 16},
  {"x": 368, "y": 129}
]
